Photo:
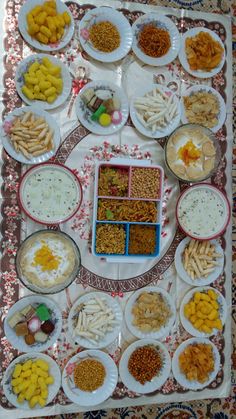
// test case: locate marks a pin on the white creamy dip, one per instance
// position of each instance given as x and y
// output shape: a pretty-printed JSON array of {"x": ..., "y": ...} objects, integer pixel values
[
  {"x": 50, "y": 194},
  {"x": 202, "y": 212}
]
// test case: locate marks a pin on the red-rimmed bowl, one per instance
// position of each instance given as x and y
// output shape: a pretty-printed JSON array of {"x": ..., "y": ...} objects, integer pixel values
[
  {"x": 203, "y": 212},
  {"x": 50, "y": 193}
]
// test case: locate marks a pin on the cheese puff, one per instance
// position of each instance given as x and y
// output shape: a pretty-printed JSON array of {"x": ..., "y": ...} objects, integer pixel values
[
  {"x": 29, "y": 18},
  {"x": 26, "y": 373},
  {"x": 197, "y": 297},
  {"x": 42, "y": 38},
  {"x": 40, "y": 75},
  {"x": 214, "y": 304},
  {"x": 206, "y": 329},
  {"x": 218, "y": 324},
  {"x": 187, "y": 311},
  {"x": 54, "y": 70},
  {"x": 54, "y": 80},
  {"x": 200, "y": 315},
  {"x": 50, "y": 23},
  {"x": 66, "y": 18},
  {"x": 198, "y": 323},
  {"x": 36, "y": 10},
  {"x": 39, "y": 96},
  {"x": 193, "y": 318},
  {"x": 41, "y": 401},
  {"x": 34, "y": 378},
  {"x": 27, "y": 365},
  {"x": 30, "y": 391},
  {"x": 51, "y": 99},
  {"x": 61, "y": 22},
  {"x": 61, "y": 32},
  {"x": 16, "y": 390},
  {"x": 33, "y": 67},
  {"x": 44, "y": 393},
  {"x": 34, "y": 367},
  {"x": 46, "y": 62},
  {"x": 52, "y": 4},
  {"x": 49, "y": 380},
  {"x": 30, "y": 80},
  {"x": 17, "y": 371},
  {"x": 41, "y": 18},
  {"x": 21, "y": 398},
  {"x": 23, "y": 386},
  {"x": 49, "y": 92},
  {"x": 49, "y": 10},
  {"x": 16, "y": 381},
  {"x": 33, "y": 401},
  {"x": 45, "y": 31},
  {"x": 205, "y": 297},
  {"x": 44, "y": 85},
  {"x": 56, "y": 22},
  {"x": 42, "y": 373},
  {"x": 213, "y": 315},
  {"x": 53, "y": 39},
  {"x": 42, "y": 364},
  {"x": 33, "y": 28},
  {"x": 192, "y": 307},
  {"x": 212, "y": 294},
  {"x": 41, "y": 382},
  {"x": 36, "y": 88}
]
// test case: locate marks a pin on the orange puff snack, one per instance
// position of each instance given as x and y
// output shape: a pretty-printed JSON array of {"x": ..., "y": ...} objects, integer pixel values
[
  {"x": 45, "y": 24},
  {"x": 203, "y": 52}
]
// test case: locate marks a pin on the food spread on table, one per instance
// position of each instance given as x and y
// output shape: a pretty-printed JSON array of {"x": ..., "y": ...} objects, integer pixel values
[
  {"x": 128, "y": 207},
  {"x": 45, "y": 24}
]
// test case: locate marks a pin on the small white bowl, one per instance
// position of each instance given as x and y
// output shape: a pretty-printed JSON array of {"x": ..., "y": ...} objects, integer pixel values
[
  {"x": 188, "y": 325},
  {"x": 7, "y": 144},
  {"x": 203, "y": 216},
  {"x": 162, "y": 22},
  {"x": 69, "y": 30},
  {"x": 164, "y": 330},
  {"x": 65, "y": 74},
  {"x": 101, "y": 14},
  {"x": 53, "y": 389},
  {"x": 130, "y": 382},
  {"x": 86, "y": 398},
  {"x": 18, "y": 342},
  {"x": 180, "y": 377},
  {"x": 110, "y": 336},
  {"x": 183, "y": 56},
  {"x": 198, "y": 282}
]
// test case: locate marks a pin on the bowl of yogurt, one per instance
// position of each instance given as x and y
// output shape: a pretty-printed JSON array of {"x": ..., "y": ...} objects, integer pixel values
[
  {"x": 203, "y": 211},
  {"x": 50, "y": 193}
]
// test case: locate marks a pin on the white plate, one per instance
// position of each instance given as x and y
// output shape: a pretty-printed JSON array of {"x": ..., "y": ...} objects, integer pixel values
[
  {"x": 157, "y": 381},
  {"x": 162, "y": 22},
  {"x": 148, "y": 132},
  {"x": 188, "y": 325},
  {"x": 66, "y": 78},
  {"x": 180, "y": 377},
  {"x": 183, "y": 57},
  {"x": 48, "y": 201},
  {"x": 51, "y": 122},
  {"x": 102, "y": 14},
  {"x": 164, "y": 330},
  {"x": 110, "y": 336},
  {"x": 203, "y": 88},
  {"x": 84, "y": 114},
  {"x": 86, "y": 398},
  {"x": 18, "y": 342},
  {"x": 53, "y": 389},
  {"x": 199, "y": 282},
  {"x": 69, "y": 30}
]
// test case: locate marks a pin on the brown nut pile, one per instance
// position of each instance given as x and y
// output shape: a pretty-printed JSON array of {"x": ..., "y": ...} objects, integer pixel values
[{"x": 145, "y": 183}]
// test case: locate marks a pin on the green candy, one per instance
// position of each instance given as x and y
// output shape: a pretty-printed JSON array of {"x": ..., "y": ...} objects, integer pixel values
[
  {"x": 95, "y": 116},
  {"x": 43, "y": 313}
]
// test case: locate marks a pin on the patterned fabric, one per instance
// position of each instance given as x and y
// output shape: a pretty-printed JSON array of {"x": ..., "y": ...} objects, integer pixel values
[{"x": 212, "y": 408}]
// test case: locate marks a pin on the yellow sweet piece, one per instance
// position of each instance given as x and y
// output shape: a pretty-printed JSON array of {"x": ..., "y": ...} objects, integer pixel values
[
  {"x": 206, "y": 329},
  {"x": 197, "y": 297},
  {"x": 41, "y": 373},
  {"x": 21, "y": 398},
  {"x": 52, "y": 98},
  {"x": 26, "y": 373},
  {"x": 41, "y": 401},
  {"x": 44, "y": 393},
  {"x": 27, "y": 365},
  {"x": 33, "y": 401},
  {"x": 212, "y": 294},
  {"x": 27, "y": 92},
  {"x": 49, "y": 380},
  {"x": 16, "y": 381},
  {"x": 213, "y": 314},
  {"x": 17, "y": 371},
  {"x": 51, "y": 91},
  {"x": 45, "y": 23},
  {"x": 205, "y": 297}
]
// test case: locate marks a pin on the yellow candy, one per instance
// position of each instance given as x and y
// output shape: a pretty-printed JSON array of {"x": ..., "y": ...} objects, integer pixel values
[
  {"x": 45, "y": 31},
  {"x": 26, "y": 373},
  {"x": 16, "y": 390},
  {"x": 30, "y": 391},
  {"x": 16, "y": 381},
  {"x": 41, "y": 401},
  {"x": 33, "y": 67},
  {"x": 206, "y": 329},
  {"x": 200, "y": 315},
  {"x": 36, "y": 10},
  {"x": 34, "y": 378},
  {"x": 193, "y": 318},
  {"x": 212, "y": 294},
  {"x": 197, "y": 297},
  {"x": 105, "y": 121},
  {"x": 44, "y": 393},
  {"x": 214, "y": 304},
  {"x": 205, "y": 297},
  {"x": 33, "y": 401},
  {"x": 21, "y": 398},
  {"x": 42, "y": 373},
  {"x": 213, "y": 315},
  {"x": 27, "y": 92},
  {"x": 40, "y": 18},
  {"x": 17, "y": 371},
  {"x": 218, "y": 324},
  {"x": 66, "y": 18},
  {"x": 49, "y": 380},
  {"x": 44, "y": 85},
  {"x": 51, "y": 99},
  {"x": 42, "y": 38}
]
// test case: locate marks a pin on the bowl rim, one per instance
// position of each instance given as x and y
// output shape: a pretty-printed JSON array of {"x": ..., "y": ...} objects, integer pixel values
[
  {"x": 28, "y": 286},
  {"x": 211, "y": 135},
  {"x": 224, "y": 197},
  {"x": 35, "y": 167}
]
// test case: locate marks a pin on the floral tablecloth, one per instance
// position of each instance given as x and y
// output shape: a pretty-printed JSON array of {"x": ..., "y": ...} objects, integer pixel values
[{"x": 78, "y": 151}]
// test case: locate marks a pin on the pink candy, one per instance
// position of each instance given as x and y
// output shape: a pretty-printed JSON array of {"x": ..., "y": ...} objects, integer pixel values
[
  {"x": 116, "y": 117},
  {"x": 34, "y": 324}
]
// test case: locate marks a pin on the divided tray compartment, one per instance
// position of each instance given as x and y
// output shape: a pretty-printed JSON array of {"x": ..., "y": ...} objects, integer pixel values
[{"x": 124, "y": 193}]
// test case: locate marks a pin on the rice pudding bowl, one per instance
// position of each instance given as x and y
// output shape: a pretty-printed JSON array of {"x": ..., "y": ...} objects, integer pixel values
[
  {"x": 48, "y": 261},
  {"x": 203, "y": 211},
  {"x": 192, "y": 153}
]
